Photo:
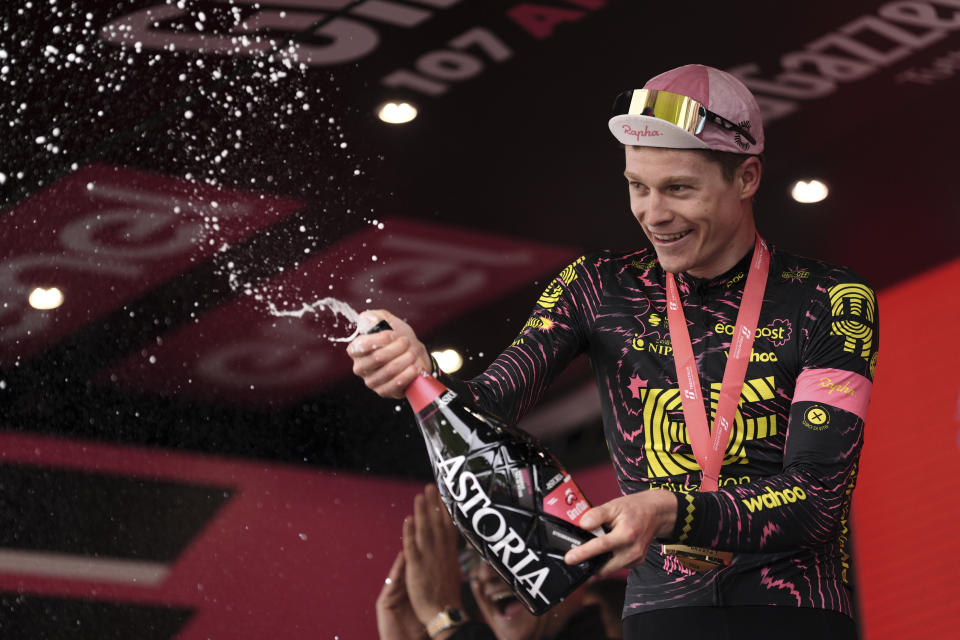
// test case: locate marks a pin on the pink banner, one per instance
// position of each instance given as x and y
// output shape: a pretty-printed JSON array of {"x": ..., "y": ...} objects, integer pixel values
[{"x": 105, "y": 235}]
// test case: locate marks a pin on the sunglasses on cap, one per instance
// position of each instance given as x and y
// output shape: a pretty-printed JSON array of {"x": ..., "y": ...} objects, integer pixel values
[{"x": 679, "y": 110}]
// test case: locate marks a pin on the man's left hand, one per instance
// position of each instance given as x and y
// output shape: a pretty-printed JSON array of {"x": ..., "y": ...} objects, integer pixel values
[{"x": 632, "y": 522}]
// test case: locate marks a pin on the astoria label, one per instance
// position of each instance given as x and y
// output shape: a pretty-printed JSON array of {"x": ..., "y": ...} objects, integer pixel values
[{"x": 488, "y": 523}]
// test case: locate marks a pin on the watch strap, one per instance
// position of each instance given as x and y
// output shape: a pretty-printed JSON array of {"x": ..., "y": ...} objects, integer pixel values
[{"x": 448, "y": 618}]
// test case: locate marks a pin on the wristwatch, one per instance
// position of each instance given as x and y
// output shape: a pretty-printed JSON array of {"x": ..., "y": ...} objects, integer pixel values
[{"x": 448, "y": 618}]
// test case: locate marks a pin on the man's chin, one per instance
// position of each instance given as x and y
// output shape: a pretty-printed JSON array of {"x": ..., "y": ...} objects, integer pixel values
[{"x": 672, "y": 263}]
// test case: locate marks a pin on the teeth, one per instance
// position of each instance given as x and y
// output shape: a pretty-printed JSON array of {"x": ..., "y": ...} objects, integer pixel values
[
  {"x": 500, "y": 597},
  {"x": 671, "y": 236}
]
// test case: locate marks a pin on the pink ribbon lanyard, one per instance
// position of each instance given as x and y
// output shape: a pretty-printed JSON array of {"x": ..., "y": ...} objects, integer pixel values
[{"x": 709, "y": 451}]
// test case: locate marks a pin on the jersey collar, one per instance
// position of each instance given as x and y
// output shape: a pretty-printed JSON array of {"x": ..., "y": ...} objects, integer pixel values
[{"x": 733, "y": 278}]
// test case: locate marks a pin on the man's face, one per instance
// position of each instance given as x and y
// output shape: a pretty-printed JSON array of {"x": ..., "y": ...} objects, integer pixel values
[
  {"x": 506, "y": 615},
  {"x": 695, "y": 219}
]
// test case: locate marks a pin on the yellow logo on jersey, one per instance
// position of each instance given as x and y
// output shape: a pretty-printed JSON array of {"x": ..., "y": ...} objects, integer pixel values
[
  {"x": 797, "y": 274},
  {"x": 844, "y": 536},
  {"x": 663, "y": 436},
  {"x": 816, "y": 417},
  {"x": 534, "y": 322},
  {"x": 854, "y": 310},
  {"x": 735, "y": 279},
  {"x": 759, "y": 356},
  {"x": 659, "y": 346},
  {"x": 773, "y": 499},
  {"x": 644, "y": 265},
  {"x": 550, "y": 296}
]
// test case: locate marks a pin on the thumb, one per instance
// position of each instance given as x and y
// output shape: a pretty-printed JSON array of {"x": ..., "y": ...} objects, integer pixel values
[{"x": 368, "y": 319}]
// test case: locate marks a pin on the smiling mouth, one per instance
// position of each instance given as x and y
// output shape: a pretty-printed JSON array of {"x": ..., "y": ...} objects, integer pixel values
[
  {"x": 502, "y": 601},
  {"x": 669, "y": 237}
]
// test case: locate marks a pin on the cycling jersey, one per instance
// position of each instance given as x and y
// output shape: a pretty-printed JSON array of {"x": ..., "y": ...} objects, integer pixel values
[{"x": 791, "y": 464}]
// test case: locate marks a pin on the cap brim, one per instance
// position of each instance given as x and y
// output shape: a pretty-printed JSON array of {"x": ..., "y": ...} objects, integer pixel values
[{"x": 648, "y": 131}]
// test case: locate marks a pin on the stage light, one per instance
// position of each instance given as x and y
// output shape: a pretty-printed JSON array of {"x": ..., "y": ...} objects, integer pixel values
[
  {"x": 44, "y": 299},
  {"x": 809, "y": 191},
  {"x": 448, "y": 360},
  {"x": 397, "y": 112}
]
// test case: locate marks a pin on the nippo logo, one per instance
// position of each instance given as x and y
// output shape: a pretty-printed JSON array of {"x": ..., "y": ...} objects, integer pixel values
[{"x": 488, "y": 523}]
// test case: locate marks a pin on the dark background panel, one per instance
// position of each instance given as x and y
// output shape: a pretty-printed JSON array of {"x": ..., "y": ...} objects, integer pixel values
[
  {"x": 102, "y": 515},
  {"x": 34, "y": 616}
]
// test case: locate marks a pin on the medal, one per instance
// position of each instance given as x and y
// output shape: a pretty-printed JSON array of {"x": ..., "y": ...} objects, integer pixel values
[{"x": 709, "y": 445}]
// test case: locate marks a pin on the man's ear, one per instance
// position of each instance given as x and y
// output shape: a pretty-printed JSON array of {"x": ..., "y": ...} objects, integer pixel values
[{"x": 748, "y": 177}]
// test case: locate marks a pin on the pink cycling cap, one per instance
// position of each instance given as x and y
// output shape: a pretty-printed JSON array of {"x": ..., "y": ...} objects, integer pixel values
[{"x": 719, "y": 92}]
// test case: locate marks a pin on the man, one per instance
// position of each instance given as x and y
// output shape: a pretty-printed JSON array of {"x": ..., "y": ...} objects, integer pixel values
[
  {"x": 425, "y": 580},
  {"x": 735, "y": 513}
]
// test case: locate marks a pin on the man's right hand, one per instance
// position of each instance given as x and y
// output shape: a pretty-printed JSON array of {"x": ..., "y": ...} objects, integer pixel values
[{"x": 388, "y": 361}]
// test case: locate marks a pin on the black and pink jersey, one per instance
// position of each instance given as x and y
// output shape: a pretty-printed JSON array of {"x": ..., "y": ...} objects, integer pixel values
[{"x": 783, "y": 506}]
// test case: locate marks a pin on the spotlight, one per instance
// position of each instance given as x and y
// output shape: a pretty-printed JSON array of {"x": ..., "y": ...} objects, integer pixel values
[
  {"x": 809, "y": 191},
  {"x": 397, "y": 112},
  {"x": 44, "y": 299},
  {"x": 448, "y": 360}
]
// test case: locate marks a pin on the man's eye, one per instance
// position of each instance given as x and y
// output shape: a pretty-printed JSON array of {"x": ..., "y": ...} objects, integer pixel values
[{"x": 679, "y": 187}]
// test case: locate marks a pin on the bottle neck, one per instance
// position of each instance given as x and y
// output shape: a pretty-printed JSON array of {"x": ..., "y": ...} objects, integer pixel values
[{"x": 423, "y": 391}]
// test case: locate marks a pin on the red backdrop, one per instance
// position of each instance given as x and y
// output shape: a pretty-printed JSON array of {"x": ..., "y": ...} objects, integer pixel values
[{"x": 907, "y": 504}]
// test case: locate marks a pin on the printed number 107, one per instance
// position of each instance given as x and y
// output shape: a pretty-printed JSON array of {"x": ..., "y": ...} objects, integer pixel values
[{"x": 437, "y": 68}]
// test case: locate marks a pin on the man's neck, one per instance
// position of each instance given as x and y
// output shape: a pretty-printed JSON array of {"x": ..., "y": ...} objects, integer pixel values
[{"x": 740, "y": 246}]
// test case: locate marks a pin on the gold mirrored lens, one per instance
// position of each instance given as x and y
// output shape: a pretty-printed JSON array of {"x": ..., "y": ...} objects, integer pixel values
[{"x": 686, "y": 113}]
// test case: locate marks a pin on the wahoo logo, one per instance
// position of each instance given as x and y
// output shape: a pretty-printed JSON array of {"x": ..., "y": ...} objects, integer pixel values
[
  {"x": 488, "y": 523},
  {"x": 773, "y": 499},
  {"x": 759, "y": 356}
]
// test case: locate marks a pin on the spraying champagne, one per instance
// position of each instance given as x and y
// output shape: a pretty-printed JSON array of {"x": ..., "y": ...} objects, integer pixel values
[{"x": 510, "y": 498}]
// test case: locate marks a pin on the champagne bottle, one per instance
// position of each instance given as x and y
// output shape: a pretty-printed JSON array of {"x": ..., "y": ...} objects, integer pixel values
[{"x": 510, "y": 498}]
